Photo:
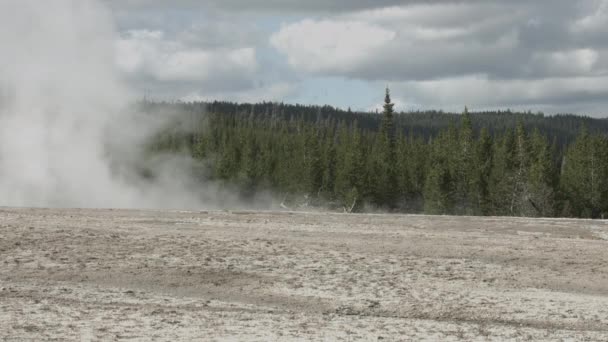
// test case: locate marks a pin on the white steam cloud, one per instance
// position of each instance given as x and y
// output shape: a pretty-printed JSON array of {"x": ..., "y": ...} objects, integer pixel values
[{"x": 67, "y": 138}]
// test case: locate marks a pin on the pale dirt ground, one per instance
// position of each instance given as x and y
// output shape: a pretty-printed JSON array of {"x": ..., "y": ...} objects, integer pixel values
[{"x": 261, "y": 276}]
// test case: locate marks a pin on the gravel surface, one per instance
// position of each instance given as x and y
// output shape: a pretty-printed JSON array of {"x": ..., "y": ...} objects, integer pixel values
[{"x": 88, "y": 275}]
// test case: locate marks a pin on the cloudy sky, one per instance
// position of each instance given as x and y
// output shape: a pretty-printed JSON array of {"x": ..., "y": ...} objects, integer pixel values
[{"x": 548, "y": 55}]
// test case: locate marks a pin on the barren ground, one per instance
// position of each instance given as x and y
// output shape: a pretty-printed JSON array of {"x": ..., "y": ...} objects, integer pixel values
[{"x": 270, "y": 276}]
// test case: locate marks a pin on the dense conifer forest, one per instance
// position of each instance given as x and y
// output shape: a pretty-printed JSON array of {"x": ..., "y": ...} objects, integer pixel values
[{"x": 486, "y": 163}]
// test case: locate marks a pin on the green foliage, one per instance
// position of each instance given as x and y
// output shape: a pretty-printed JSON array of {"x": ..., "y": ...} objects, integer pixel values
[
  {"x": 349, "y": 167},
  {"x": 439, "y": 188},
  {"x": 466, "y": 165},
  {"x": 585, "y": 176},
  {"x": 384, "y": 163},
  {"x": 484, "y": 159},
  {"x": 541, "y": 177}
]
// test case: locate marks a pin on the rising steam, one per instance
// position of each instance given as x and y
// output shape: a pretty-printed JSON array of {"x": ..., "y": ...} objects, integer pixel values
[{"x": 67, "y": 136}]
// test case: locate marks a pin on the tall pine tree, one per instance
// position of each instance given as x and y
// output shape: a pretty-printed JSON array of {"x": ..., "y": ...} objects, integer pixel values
[{"x": 385, "y": 161}]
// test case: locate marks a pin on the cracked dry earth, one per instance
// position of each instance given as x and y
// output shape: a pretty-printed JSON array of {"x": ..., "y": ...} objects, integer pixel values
[{"x": 131, "y": 275}]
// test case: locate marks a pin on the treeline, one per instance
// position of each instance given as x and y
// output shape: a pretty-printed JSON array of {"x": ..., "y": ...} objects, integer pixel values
[
  {"x": 335, "y": 161},
  {"x": 426, "y": 124}
]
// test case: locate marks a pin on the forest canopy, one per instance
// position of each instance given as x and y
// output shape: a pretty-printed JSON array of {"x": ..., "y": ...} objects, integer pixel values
[{"x": 484, "y": 163}]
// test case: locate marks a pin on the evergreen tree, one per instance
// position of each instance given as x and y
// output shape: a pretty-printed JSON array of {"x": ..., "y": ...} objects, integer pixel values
[
  {"x": 439, "y": 167},
  {"x": 466, "y": 187},
  {"x": 387, "y": 124},
  {"x": 502, "y": 180},
  {"x": 349, "y": 168},
  {"x": 439, "y": 185},
  {"x": 485, "y": 163},
  {"x": 328, "y": 167},
  {"x": 585, "y": 175},
  {"x": 541, "y": 175},
  {"x": 403, "y": 156},
  {"x": 312, "y": 163},
  {"x": 520, "y": 196},
  {"x": 417, "y": 169},
  {"x": 384, "y": 164}
]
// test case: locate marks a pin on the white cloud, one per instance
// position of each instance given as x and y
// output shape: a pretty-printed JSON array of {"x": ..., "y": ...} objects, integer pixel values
[
  {"x": 318, "y": 46},
  {"x": 272, "y": 92},
  {"x": 144, "y": 53},
  {"x": 481, "y": 92},
  {"x": 198, "y": 65},
  {"x": 399, "y": 50},
  {"x": 595, "y": 21},
  {"x": 575, "y": 62}
]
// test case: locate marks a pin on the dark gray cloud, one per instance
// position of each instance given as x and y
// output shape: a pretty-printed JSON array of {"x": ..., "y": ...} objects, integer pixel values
[
  {"x": 262, "y": 5},
  {"x": 304, "y": 6}
]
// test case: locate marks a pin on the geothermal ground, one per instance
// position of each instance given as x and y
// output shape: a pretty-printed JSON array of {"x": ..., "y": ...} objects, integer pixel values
[{"x": 279, "y": 276}]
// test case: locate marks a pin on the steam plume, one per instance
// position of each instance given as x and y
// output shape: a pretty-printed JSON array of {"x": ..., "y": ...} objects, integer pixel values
[{"x": 66, "y": 134}]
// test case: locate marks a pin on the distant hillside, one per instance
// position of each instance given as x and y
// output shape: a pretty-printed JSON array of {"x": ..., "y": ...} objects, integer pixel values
[{"x": 562, "y": 127}]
